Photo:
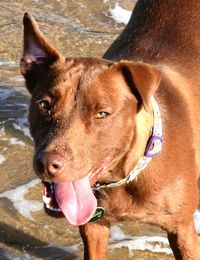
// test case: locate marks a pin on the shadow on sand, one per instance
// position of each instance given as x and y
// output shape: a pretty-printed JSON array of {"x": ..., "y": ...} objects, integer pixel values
[{"x": 17, "y": 240}]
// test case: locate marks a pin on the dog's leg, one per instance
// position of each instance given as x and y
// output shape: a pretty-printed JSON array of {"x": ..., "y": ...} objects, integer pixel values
[
  {"x": 95, "y": 239},
  {"x": 184, "y": 243}
]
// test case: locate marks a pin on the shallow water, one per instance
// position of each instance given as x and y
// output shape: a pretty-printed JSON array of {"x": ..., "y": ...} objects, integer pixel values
[{"x": 76, "y": 28}]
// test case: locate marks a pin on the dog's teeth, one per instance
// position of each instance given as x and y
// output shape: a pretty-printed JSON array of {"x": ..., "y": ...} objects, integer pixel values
[
  {"x": 46, "y": 199},
  {"x": 47, "y": 206},
  {"x": 57, "y": 210},
  {"x": 54, "y": 209}
]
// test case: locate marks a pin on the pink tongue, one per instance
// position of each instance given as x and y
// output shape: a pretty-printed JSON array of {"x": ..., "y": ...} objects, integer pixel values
[{"x": 76, "y": 200}]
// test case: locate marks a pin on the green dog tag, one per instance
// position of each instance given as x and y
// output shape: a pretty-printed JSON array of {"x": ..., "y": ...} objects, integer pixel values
[{"x": 98, "y": 214}]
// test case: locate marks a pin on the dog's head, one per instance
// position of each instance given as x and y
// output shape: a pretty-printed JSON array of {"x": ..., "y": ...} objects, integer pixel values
[{"x": 84, "y": 114}]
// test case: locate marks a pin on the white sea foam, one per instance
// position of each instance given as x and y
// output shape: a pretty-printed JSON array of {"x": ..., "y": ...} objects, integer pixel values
[
  {"x": 22, "y": 205},
  {"x": 69, "y": 249},
  {"x": 5, "y": 93},
  {"x": 2, "y": 128},
  {"x": 197, "y": 221},
  {"x": 2, "y": 159},
  {"x": 8, "y": 256},
  {"x": 116, "y": 234},
  {"x": 16, "y": 141},
  {"x": 155, "y": 244},
  {"x": 22, "y": 125},
  {"x": 19, "y": 79},
  {"x": 8, "y": 63},
  {"x": 119, "y": 14}
]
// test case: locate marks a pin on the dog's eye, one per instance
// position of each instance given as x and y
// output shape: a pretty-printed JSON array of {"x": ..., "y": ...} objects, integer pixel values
[
  {"x": 101, "y": 114},
  {"x": 44, "y": 105}
]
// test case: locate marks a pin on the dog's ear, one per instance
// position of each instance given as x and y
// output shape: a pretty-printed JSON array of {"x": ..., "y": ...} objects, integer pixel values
[
  {"x": 37, "y": 53},
  {"x": 142, "y": 78}
]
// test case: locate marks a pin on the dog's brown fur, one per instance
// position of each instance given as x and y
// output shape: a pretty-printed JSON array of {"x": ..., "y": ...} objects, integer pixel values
[{"x": 165, "y": 34}]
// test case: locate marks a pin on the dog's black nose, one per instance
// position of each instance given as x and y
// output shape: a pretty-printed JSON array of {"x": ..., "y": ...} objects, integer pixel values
[{"x": 50, "y": 163}]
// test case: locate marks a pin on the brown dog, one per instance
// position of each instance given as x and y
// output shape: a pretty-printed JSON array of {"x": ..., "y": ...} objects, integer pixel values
[{"x": 93, "y": 120}]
